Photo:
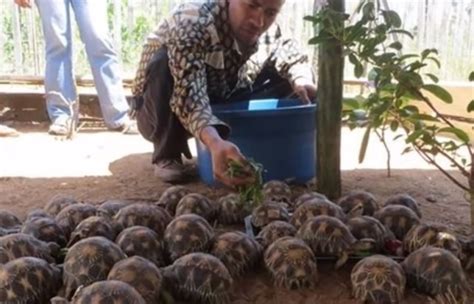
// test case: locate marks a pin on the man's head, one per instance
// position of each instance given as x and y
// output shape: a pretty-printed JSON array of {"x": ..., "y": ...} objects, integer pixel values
[{"x": 249, "y": 19}]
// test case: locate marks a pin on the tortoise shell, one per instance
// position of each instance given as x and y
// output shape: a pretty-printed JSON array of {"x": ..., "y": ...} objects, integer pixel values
[
  {"x": 313, "y": 208},
  {"x": 58, "y": 203},
  {"x": 93, "y": 226},
  {"x": 274, "y": 231},
  {"x": 69, "y": 217},
  {"x": 267, "y": 213},
  {"x": 170, "y": 198},
  {"x": 143, "y": 214},
  {"x": 237, "y": 251},
  {"x": 467, "y": 258},
  {"x": 435, "y": 235},
  {"x": 404, "y": 200},
  {"x": 231, "y": 209},
  {"x": 108, "y": 292},
  {"x": 141, "y": 274},
  {"x": 18, "y": 245},
  {"x": 309, "y": 196},
  {"x": 45, "y": 229},
  {"x": 278, "y": 192},
  {"x": 89, "y": 261},
  {"x": 368, "y": 227},
  {"x": 198, "y": 277},
  {"x": 291, "y": 263},
  {"x": 399, "y": 219},
  {"x": 378, "y": 279},
  {"x": 187, "y": 233},
  {"x": 28, "y": 280},
  {"x": 195, "y": 203},
  {"x": 8, "y": 220},
  {"x": 141, "y": 241},
  {"x": 328, "y": 236},
  {"x": 354, "y": 198},
  {"x": 438, "y": 273},
  {"x": 37, "y": 213},
  {"x": 109, "y": 208}
]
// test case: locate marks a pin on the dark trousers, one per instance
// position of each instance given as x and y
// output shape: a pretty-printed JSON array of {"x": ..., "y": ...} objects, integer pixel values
[{"x": 158, "y": 124}]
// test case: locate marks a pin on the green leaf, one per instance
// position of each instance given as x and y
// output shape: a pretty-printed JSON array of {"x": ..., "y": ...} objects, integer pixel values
[
  {"x": 471, "y": 76},
  {"x": 318, "y": 39},
  {"x": 368, "y": 10},
  {"x": 470, "y": 106},
  {"x": 432, "y": 77},
  {"x": 363, "y": 146},
  {"x": 414, "y": 136},
  {"x": 439, "y": 92},
  {"x": 350, "y": 103},
  {"x": 402, "y": 32},
  {"x": 392, "y": 18},
  {"x": 435, "y": 60},
  {"x": 396, "y": 45},
  {"x": 358, "y": 70},
  {"x": 408, "y": 56},
  {"x": 314, "y": 19},
  {"x": 458, "y": 132},
  {"x": 424, "y": 117},
  {"x": 394, "y": 125}
]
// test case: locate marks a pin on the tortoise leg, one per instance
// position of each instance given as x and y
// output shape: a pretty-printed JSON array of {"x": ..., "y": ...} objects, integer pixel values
[{"x": 342, "y": 260}]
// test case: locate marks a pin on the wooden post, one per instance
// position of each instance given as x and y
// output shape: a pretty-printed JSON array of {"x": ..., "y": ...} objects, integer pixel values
[{"x": 330, "y": 87}]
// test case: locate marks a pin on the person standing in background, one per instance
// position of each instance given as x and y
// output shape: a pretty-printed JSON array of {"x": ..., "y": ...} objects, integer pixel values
[{"x": 91, "y": 17}]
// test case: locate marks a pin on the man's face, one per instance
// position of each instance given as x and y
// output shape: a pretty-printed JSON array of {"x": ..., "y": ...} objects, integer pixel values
[{"x": 249, "y": 19}]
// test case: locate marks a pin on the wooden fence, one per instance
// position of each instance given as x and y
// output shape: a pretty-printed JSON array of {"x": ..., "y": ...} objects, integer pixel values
[{"x": 443, "y": 24}]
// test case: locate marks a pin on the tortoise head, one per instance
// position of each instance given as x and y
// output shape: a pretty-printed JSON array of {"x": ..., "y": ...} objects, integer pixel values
[
  {"x": 356, "y": 211},
  {"x": 364, "y": 245}
]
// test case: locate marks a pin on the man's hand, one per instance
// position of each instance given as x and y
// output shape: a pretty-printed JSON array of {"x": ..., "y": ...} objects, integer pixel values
[
  {"x": 23, "y": 3},
  {"x": 222, "y": 152},
  {"x": 305, "y": 89}
]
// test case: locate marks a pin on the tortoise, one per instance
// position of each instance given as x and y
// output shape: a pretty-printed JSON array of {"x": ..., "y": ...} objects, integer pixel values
[
  {"x": 9, "y": 221},
  {"x": 89, "y": 261},
  {"x": 58, "y": 203},
  {"x": 329, "y": 236},
  {"x": 231, "y": 209},
  {"x": 436, "y": 235},
  {"x": 197, "y": 204},
  {"x": 141, "y": 274},
  {"x": 267, "y": 213},
  {"x": 170, "y": 198},
  {"x": 312, "y": 208},
  {"x": 406, "y": 200},
  {"x": 308, "y": 196},
  {"x": 109, "y": 208},
  {"x": 37, "y": 213},
  {"x": 237, "y": 251},
  {"x": 378, "y": 279},
  {"x": 354, "y": 198},
  {"x": 399, "y": 219},
  {"x": 45, "y": 229},
  {"x": 93, "y": 226},
  {"x": 187, "y": 233},
  {"x": 28, "y": 280},
  {"x": 367, "y": 227},
  {"x": 278, "y": 192},
  {"x": 16, "y": 245},
  {"x": 104, "y": 292},
  {"x": 274, "y": 231},
  {"x": 438, "y": 273},
  {"x": 143, "y": 214},
  {"x": 69, "y": 217},
  {"x": 291, "y": 263},
  {"x": 467, "y": 258},
  {"x": 198, "y": 277},
  {"x": 141, "y": 241}
]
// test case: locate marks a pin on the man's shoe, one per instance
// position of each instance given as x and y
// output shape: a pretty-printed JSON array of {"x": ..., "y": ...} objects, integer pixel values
[
  {"x": 58, "y": 128},
  {"x": 174, "y": 171},
  {"x": 6, "y": 131}
]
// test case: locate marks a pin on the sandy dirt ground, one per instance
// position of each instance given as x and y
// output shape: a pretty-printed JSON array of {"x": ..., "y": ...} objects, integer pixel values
[{"x": 98, "y": 165}]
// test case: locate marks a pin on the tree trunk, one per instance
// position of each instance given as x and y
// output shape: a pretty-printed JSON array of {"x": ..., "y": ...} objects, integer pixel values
[
  {"x": 471, "y": 194},
  {"x": 328, "y": 138}
]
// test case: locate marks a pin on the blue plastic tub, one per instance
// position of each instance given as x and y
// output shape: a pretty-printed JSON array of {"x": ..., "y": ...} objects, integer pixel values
[{"x": 280, "y": 134}]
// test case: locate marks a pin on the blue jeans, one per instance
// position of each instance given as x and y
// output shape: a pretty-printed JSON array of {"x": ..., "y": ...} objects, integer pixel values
[{"x": 91, "y": 18}]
